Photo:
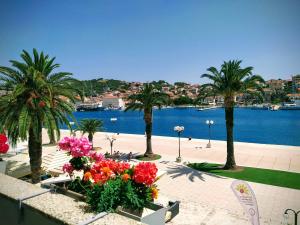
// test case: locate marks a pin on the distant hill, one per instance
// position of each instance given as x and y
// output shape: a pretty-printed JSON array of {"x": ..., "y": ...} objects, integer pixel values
[{"x": 99, "y": 86}]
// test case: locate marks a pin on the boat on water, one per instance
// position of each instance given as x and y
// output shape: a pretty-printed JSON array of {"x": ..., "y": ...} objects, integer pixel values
[
  {"x": 290, "y": 106},
  {"x": 89, "y": 107},
  {"x": 208, "y": 108},
  {"x": 260, "y": 107},
  {"x": 274, "y": 107}
]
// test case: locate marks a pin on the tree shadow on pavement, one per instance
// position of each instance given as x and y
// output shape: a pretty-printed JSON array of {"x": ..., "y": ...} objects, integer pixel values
[{"x": 180, "y": 170}]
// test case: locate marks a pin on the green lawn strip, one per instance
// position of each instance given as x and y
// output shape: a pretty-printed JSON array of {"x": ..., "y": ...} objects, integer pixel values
[
  {"x": 152, "y": 158},
  {"x": 258, "y": 175}
]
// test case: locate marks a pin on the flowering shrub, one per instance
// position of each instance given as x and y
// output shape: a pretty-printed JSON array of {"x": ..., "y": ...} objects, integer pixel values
[
  {"x": 68, "y": 168},
  {"x": 108, "y": 183},
  {"x": 3, "y": 145},
  {"x": 77, "y": 147},
  {"x": 95, "y": 156},
  {"x": 80, "y": 149},
  {"x": 118, "y": 184}
]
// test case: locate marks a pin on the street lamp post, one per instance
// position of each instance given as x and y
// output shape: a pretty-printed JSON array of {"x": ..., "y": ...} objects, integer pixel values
[
  {"x": 209, "y": 123},
  {"x": 179, "y": 130},
  {"x": 111, "y": 140},
  {"x": 114, "y": 120}
]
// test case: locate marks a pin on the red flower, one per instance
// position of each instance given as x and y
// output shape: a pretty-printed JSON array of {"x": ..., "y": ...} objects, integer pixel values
[
  {"x": 116, "y": 167},
  {"x": 3, "y": 148},
  {"x": 3, "y": 139},
  {"x": 145, "y": 173},
  {"x": 42, "y": 104}
]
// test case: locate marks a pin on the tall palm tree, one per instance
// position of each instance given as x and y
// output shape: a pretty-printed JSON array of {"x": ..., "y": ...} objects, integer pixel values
[
  {"x": 145, "y": 100},
  {"x": 230, "y": 81},
  {"x": 90, "y": 126},
  {"x": 38, "y": 98}
]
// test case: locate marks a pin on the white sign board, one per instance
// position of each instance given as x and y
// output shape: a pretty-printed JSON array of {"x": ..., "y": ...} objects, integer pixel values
[{"x": 246, "y": 197}]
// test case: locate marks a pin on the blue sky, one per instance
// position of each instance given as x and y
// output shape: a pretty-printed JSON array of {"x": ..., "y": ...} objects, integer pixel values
[{"x": 140, "y": 40}]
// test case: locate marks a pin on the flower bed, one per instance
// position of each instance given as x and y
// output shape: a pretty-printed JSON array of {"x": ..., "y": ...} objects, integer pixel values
[{"x": 107, "y": 183}]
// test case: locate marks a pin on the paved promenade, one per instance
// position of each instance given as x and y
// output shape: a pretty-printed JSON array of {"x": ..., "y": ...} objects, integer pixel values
[
  {"x": 207, "y": 199},
  {"x": 277, "y": 157}
]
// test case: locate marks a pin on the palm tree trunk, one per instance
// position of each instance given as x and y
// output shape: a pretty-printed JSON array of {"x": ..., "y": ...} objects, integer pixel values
[
  {"x": 230, "y": 161},
  {"x": 90, "y": 137},
  {"x": 148, "y": 121},
  {"x": 35, "y": 154},
  {"x": 51, "y": 136},
  {"x": 52, "y": 141}
]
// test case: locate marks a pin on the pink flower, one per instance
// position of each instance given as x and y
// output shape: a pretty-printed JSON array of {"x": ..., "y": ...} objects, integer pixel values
[
  {"x": 96, "y": 156},
  {"x": 76, "y": 147},
  {"x": 68, "y": 168}
]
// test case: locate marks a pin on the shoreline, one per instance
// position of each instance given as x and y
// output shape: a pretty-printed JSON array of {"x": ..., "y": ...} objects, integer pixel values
[{"x": 200, "y": 139}]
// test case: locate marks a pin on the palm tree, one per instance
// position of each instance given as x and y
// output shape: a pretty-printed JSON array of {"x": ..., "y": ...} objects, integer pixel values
[
  {"x": 146, "y": 100},
  {"x": 38, "y": 98},
  {"x": 230, "y": 81},
  {"x": 90, "y": 126}
]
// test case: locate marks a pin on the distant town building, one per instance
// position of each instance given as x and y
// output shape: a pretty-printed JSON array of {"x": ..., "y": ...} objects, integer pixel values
[
  {"x": 111, "y": 101},
  {"x": 165, "y": 89},
  {"x": 276, "y": 84},
  {"x": 267, "y": 94},
  {"x": 296, "y": 83}
]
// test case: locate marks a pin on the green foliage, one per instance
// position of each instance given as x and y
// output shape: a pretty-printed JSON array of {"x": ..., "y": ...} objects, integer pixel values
[
  {"x": 258, "y": 175},
  {"x": 116, "y": 192},
  {"x": 77, "y": 185},
  {"x": 93, "y": 198},
  {"x": 90, "y": 126},
  {"x": 232, "y": 80},
  {"x": 107, "y": 197},
  {"x": 78, "y": 162},
  {"x": 279, "y": 97},
  {"x": 37, "y": 99},
  {"x": 159, "y": 84},
  {"x": 99, "y": 86},
  {"x": 180, "y": 84},
  {"x": 183, "y": 100},
  {"x": 147, "y": 99},
  {"x": 136, "y": 196}
]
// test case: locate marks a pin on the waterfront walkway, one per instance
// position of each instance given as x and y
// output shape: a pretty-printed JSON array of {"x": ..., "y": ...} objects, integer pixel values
[
  {"x": 277, "y": 157},
  {"x": 207, "y": 199}
]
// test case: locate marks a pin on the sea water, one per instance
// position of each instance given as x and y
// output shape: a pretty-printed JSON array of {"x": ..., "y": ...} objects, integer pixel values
[{"x": 256, "y": 126}]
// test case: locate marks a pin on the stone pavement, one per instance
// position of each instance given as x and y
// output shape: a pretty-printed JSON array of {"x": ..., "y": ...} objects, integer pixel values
[
  {"x": 277, "y": 157},
  {"x": 207, "y": 199}
]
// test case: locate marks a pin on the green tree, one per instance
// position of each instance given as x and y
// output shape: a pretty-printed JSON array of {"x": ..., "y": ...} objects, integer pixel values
[
  {"x": 146, "y": 100},
  {"x": 230, "y": 81},
  {"x": 203, "y": 93},
  {"x": 38, "y": 98},
  {"x": 90, "y": 126},
  {"x": 183, "y": 100}
]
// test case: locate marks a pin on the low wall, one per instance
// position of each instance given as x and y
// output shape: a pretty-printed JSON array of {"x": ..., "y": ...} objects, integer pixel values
[{"x": 47, "y": 209}]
